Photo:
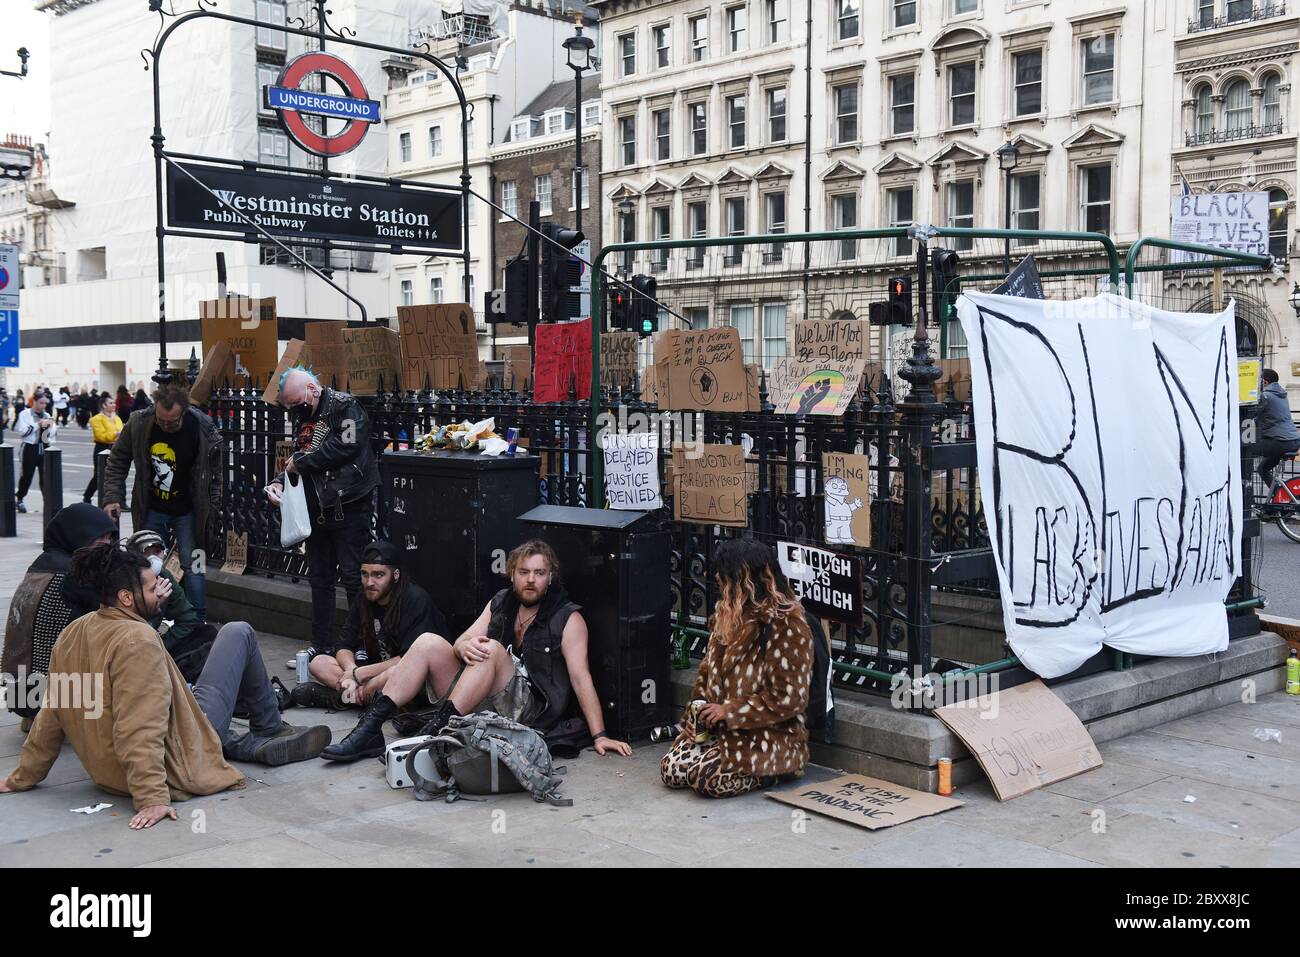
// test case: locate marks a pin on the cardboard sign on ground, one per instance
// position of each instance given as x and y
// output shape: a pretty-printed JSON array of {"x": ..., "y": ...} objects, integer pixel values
[
  {"x": 248, "y": 327},
  {"x": 709, "y": 487},
  {"x": 562, "y": 356},
  {"x": 439, "y": 345},
  {"x": 866, "y": 802},
  {"x": 846, "y": 484},
  {"x": 618, "y": 358},
  {"x": 373, "y": 353},
  {"x": 236, "y": 553},
  {"x": 706, "y": 370},
  {"x": 1024, "y": 738},
  {"x": 292, "y": 357},
  {"x": 215, "y": 361},
  {"x": 324, "y": 353}
]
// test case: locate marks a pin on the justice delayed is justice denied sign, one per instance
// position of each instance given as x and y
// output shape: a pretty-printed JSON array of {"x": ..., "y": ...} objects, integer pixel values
[{"x": 1110, "y": 467}]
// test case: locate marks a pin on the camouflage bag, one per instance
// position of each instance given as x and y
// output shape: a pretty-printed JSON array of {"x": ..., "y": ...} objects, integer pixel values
[{"x": 484, "y": 753}]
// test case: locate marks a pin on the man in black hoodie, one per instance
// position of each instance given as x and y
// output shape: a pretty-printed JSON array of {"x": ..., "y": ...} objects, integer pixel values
[
  {"x": 47, "y": 601},
  {"x": 1276, "y": 434}
]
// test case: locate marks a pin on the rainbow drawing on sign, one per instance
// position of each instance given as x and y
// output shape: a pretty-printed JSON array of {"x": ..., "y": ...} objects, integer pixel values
[{"x": 817, "y": 393}]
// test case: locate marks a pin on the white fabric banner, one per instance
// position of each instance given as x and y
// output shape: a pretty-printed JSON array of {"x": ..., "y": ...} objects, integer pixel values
[{"x": 1110, "y": 466}]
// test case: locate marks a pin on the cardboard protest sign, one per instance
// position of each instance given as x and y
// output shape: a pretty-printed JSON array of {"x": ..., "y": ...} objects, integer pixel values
[
  {"x": 372, "y": 353},
  {"x": 283, "y": 451},
  {"x": 324, "y": 353},
  {"x": 705, "y": 370},
  {"x": 753, "y": 377},
  {"x": 215, "y": 362},
  {"x": 956, "y": 372},
  {"x": 1023, "y": 737},
  {"x": 236, "y": 553},
  {"x": 866, "y": 802},
  {"x": 828, "y": 583},
  {"x": 1023, "y": 281},
  {"x": 847, "y": 488},
  {"x": 618, "y": 358},
  {"x": 292, "y": 356},
  {"x": 1248, "y": 380},
  {"x": 439, "y": 346},
  {"x": 958, "y": 498},
  {"x": 632, "y": 471},
  {"x": 562, "y": 356},
  {"x": 709, "y": 485},
  {"x": 518, "y": 368},
  {"x": 814, "y": 388},
  {"x": 248, "y": 327},
  {"x": 830, "y": 340},
  {"x": 172, "y": 564}
]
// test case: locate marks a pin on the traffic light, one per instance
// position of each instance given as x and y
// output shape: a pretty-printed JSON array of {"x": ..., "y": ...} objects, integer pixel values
[
  {"x": 559, "y": 272},
  {"x": 945, "y": 280},
  {"x": 618, "y": 314},
  {"x": 645, "y": 307},
  {"x": 900, "y": 301},
  {"x": 511, "y": 303}
]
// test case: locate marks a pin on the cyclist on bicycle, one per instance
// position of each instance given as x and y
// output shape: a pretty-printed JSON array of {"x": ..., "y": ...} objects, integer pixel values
[{"x": 1276, "y": 436}]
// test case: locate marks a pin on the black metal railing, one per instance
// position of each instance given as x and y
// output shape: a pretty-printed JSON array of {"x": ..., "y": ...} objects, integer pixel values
[
  {"x": 1235, "y": 13},
  {"x": 1231, "y": 135}
]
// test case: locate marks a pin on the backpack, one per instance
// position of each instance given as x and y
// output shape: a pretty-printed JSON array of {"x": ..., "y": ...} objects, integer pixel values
[
  {"x": 484, "y": 753},
  {"x": 820, "y": 716}
]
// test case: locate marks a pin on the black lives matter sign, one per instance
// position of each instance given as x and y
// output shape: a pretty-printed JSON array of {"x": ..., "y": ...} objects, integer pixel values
[{"x": 829, "y": 584}]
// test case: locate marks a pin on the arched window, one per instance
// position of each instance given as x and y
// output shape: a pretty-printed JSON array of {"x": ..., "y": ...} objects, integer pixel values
[
  {"x": 1272, "y": 117},
  {"x": 1247, "y": 338},
  {"x": 1204, "y": 111},
  {"x": 1236, "y": 111},
  {"x": 1277, "y": 223}
]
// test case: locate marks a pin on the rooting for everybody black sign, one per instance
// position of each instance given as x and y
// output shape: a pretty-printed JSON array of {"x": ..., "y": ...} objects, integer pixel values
[{"x": 305, "y": 207}]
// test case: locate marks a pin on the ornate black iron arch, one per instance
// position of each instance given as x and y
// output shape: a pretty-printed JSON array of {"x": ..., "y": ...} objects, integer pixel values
[{"x": 323, "y": 31}]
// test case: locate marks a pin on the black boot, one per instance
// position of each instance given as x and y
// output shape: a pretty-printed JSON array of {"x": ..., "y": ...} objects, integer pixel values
[
  {"x": 366, "y": 740},
  {"x": 438, "y": 720}
]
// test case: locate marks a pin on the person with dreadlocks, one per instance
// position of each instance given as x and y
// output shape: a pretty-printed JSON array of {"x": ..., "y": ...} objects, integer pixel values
[
  {"x": 382, "y": 625},
  {"x": 744, "y": 727},
  {"x": 132, "y": 719}
]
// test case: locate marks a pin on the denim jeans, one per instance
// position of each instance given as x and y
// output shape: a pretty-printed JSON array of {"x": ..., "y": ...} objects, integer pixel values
[
  {"x": 234, "y": 679},
  {"x": 181, "y": 528},
  {"x": 334, "y": 554}
]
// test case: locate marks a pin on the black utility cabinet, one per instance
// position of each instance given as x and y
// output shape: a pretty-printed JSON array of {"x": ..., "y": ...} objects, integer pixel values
[
  {"x": 616, "y": 564},
  {"x": 455, "y": 515}
]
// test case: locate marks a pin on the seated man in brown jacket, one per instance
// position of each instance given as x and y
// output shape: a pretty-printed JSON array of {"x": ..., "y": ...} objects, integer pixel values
[{"x": 120, "y": 700}]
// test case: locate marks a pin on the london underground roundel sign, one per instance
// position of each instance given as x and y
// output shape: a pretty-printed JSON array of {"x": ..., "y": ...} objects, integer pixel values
[{"x": 291, "y": 101}]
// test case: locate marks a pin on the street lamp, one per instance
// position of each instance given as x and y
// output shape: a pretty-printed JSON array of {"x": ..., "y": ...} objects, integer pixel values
[
  {"x": 578, "y": 56},
  {"x": 1008, "y": 157},
  {"x": 1294, "y": 299}
]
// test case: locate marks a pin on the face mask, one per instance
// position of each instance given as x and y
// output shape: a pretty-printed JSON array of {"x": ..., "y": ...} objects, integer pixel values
[
  {"x": 156, "y": 564},
  {"x": 303, "y": 409}
]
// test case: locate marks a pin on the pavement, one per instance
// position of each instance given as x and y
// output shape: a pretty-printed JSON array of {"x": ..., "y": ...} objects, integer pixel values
[{"x": 1133, "y": 811}]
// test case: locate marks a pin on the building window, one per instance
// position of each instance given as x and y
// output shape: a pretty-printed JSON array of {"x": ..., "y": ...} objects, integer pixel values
[
  {"x": 1272, "y": 104},
  {"x": 844, "y": 212},
  {"x": 1094, "y": 198},
  {"x": 737, "y": 24},
  {"x": 698, "y": 317},
  {"x": 591, "y": 114},
  {"x": 735, "y": 206},
  {"x": 846, "y": 113},
  {"x": 1205, "y": 13},
  {"x": 904, "y": 13},
  {"x": 697, "y": 222},
  {"x": 1236, "y": 106},
  {"x": 408, "y": 293},
  {"x": 435, "y": 289},
  {"x": 1277, "y": 224},
  {"x": 961, "y": 211},
  {"x": 742, "y": 319},
  {"x": 899, "y": 204},
  {"x": 661, "y": 224},
  {"x": 580, "y": 179},
  {"x": 698, "y": 29},
  {"x": 1025, "y": 204},
  {"x": 1029, "y": 83},
  {"x": 964, "y": 6},
  {"x": 1099, "y": 69},
  {"x": 469, "y": 290},
  {"x": 902, "y": 104},
  {"x": 961, "y": 94},
  {"x": 521, "y": 129},
  {"x": 627, "y": 50},
  {"x": 778, "y": 21},
  {"x": 271, "y": 11},
  {"x": 699, "y": 128},
  {"x": 629, "y": 236},
  {"x": 627, "y": 139},
  {"x": 272, "y": 147},
  {"x": 555, "y": 123},
  {"x": 1204, "y": 111},
  {"x": 1238, "y": 10},
  {"x": 775, "y": 203},
  {"x": 846, "y": 18},
  {"x": 266, "y": 76},
  {"x": 662, "y": 125},
  {"x": 469, "y": 134},
  {"x": 776, "y": 115},
  {"x": 736, "y": 121},
  {"x": 774, "y": 320},
  {"x": 542, "y": 193},
  {"x": 435, "y": 141},
  {"x": 404, "y": 146},
  {"x": 510, "y": 198},
  {"x": 663, "y": 55}
]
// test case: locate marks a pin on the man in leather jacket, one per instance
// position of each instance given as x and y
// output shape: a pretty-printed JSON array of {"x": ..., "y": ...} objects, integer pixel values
[{"x": 337, "y": 465}]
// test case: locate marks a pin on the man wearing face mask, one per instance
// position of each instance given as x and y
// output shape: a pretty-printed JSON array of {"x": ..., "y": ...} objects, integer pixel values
[
  {"x": 338, "y": 468},
  {"x": 138, "y": 729},
  {"x": 176, "y": 451}
]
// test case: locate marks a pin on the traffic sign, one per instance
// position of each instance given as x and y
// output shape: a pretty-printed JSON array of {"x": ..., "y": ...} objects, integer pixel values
[
  {"x": 8, "y": 305},
  {"x": 291, "y": 101}
]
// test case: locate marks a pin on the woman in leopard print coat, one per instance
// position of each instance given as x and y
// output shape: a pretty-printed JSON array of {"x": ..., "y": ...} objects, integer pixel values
[{"x": 745, "y": 726}]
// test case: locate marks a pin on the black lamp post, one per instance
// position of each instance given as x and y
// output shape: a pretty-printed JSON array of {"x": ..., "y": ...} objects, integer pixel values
[
  {"x": 578, "y": 51},
  {"x": 1008, "y": 157},
  {"x": 1294, "y": 299}
]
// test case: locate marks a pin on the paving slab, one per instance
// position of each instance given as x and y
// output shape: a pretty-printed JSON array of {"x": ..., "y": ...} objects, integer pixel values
[
  {"x": 1139, "y": 840},
  {"x": 1231, "y": 812}
]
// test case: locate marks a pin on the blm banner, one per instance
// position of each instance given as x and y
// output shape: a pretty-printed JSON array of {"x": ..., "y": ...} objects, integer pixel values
[
  {"x": 309, "y": 208},
  {"x": 1109, "y": 463}
]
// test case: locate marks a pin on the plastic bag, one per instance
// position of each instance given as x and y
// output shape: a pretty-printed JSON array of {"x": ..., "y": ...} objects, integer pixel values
[
  {"x": 295, "y": 520},
  {"x": 1267, "y": 734}
]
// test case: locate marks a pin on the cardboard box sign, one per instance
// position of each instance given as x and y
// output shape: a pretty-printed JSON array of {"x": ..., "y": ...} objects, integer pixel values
[
  {"x": 439, "y": 346},
  {"x": 248, "y": 327},
  {"x": 846, "y": 501},
  {"x": 705, "y": 370},
  {"x": 828, "y": 583},
  {"x": 373, "y": 353},
  {"x": 709, "y": 487},
  {"x": 830, "y": 340},
  {"x": 562, "y": 356},
  {"x": 518, "y": 369},
  {"x": 323, "y": 352},
  {"x": 215, "y": 361},
  {"x": 236, "y": 553},
  {"x": 814, "y": 387},
  {"x": 867, "y": 802},
  {"x": 292, "y": 357},
  {"x": 957, "y": 373},
  {"x": 618, "y": 363}
]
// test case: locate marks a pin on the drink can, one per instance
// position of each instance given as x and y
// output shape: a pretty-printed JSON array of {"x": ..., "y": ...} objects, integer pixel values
[
  {"x": 945, "y": 776},
  {"x": 664, "y": 732},
  {"x": 303, "y": 674},
  {"x": 512, "y": 437}
]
